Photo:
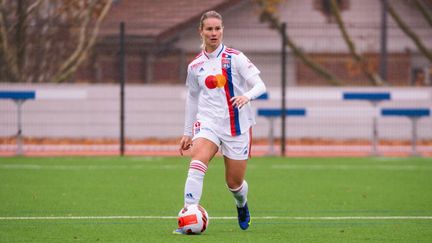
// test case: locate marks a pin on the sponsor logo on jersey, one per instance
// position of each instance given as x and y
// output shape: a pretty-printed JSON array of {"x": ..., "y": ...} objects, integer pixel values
[
  {"x": 215, "y": 81},
  {"x": 196, "y": 127},
  {"x": 226, "y": 63}
]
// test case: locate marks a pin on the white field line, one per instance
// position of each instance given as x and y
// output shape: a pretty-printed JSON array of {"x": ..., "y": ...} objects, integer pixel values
[
  {"x": 386, "y": 167},
  {"x": 222, "y": 218},
  {"x": 86, "y": 167},
  {"x": 350, "y": 167},
  {"x": 174, "y": 148}
]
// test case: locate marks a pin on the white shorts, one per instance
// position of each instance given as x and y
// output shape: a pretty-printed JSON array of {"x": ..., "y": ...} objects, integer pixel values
[{"x": 237, "y": 147}]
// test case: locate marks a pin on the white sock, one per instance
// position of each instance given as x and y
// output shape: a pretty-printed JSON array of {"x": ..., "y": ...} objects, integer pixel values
[
  {"x": 240, "y": 194},
  {"x": 194, "y": 182}
]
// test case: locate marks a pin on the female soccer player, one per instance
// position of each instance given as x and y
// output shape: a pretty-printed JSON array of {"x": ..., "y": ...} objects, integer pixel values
[{"x": 221, "y": 83}]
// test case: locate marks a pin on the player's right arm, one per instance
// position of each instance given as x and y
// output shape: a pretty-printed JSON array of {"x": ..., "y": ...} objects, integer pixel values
[
  {"x": 191, "y": 110},
  {"x": 185, "y": 143}
]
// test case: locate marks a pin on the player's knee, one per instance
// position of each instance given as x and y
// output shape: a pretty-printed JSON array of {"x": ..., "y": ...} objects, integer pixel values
[
  {"x": 234, "y": 183},
  {"x": 202, "y": 155}
]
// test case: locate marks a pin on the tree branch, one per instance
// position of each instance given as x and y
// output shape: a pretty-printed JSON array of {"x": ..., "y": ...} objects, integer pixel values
[
  {"x": 81, "y": 42},
  {"x": 85, "y": 44},
  {"x": 362, "y": 61},
  {"x": 20, "y": 37},
  {"x": 267, "y": 15},
  {"x": 423, "y": 10},
  {"x": 10, "y": 68},
  {"x": 422, "y": 48},
  {"x": 33, "y": 6}
]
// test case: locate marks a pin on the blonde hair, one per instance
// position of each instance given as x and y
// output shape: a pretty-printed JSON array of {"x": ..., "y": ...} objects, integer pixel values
[{"x": 207, "y": 15}]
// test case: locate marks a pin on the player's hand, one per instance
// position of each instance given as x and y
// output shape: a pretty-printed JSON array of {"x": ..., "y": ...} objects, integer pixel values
[
  {"x": 239, "y": 101},
  {"x": 185, "y": 144}
]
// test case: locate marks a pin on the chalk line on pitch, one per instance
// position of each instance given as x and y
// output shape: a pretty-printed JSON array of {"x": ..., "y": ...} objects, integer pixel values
[{"x": 18, "y": 218}]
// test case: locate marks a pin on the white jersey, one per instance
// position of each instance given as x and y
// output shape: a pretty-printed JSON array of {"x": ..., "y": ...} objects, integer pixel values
[{"x": 213, "y": 79}]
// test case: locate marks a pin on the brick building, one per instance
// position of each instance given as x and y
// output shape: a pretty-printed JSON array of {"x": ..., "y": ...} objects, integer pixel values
[{"x": 162, "y": 38}]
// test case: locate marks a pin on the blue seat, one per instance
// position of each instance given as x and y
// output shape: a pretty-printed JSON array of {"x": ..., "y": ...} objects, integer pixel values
[
  {"x": 413, "y": 114},
  {"x": 277, "y": 112},
  {"x": 17, "y": 95},
  {"x": 409, "y": 112},
  {"x": 368, "y": 96},
  {"x": 271, "y": 114}
]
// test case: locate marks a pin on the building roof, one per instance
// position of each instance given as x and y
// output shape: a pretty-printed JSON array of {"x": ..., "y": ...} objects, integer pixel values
[{"x": 157, "y": 19}]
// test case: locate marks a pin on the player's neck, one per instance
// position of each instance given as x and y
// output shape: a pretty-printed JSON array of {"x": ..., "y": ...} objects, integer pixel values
[{"x": 210, "y": 49}]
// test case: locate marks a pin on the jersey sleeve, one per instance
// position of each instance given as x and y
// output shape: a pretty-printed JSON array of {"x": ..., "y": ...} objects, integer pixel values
[
  {"x": 245, "y": 67},
  {"x": 191, "y": 107},
  {"x": 258, "y": 87}
]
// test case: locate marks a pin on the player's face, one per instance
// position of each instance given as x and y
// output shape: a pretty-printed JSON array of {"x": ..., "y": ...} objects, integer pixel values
[{"x": 212, "y": 33}]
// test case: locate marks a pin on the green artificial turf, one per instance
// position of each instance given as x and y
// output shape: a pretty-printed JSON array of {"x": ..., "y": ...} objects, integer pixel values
[{"x": 136, "y": 199}]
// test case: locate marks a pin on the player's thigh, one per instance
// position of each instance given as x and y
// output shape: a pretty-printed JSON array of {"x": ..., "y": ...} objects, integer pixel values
[
  {"x": 236, "y": 153},
  {"x": 203, "y": 149}
]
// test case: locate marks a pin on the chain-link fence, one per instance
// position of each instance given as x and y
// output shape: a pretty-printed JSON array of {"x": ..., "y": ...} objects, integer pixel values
[{"x": 82, "y": 114}]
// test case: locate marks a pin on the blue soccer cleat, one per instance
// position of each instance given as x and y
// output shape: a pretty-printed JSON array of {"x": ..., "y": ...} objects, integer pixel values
[
  {"x": 243, "y": 217},
  {"x": 178, "y": 232}
]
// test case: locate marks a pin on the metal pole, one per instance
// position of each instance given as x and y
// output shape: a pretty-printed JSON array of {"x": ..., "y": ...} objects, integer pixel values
[
  {"x": 122, "y": 87},
  {"x": 383, "y": 55},
  {"x": 271, "y": 136},
  {"x": 19, "y": 138},
  {"x": 283, "y": 113},
  {"x": 375, "y": 140},
  {"x": 414, "y": 136}
]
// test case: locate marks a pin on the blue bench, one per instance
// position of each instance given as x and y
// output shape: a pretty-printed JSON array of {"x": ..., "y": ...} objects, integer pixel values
[
  {"x": 408, "y": 112},
  {"x": 273, "y": 113},
  {"x": 19, "y": 97},
  {"x": 374, "y": 98},
  {"x": 367, "y": 96},
  {"x": 414, "y": 114}
]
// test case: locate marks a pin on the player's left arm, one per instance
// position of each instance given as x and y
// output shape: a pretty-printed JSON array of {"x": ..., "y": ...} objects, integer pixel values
[
  {"x": 250, "y": 73},
  {"x": 258, "y": 88}
]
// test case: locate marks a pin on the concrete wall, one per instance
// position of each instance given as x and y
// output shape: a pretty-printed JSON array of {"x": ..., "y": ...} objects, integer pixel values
[{"x": 158, "y": 111}]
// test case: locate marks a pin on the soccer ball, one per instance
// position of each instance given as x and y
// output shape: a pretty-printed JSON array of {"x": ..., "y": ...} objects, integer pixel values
[{"x": 193, "y": 219}]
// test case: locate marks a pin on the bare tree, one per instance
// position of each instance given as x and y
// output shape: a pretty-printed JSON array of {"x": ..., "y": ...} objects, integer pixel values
[
  {"x": 268, "y": 13},
  {"x": 409, "y": 32},
  {"x": 268, "y": 9},
  {"x": 360, "y": 60},
  {"x": 47, "y": 40}
]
